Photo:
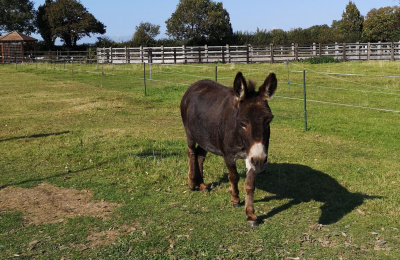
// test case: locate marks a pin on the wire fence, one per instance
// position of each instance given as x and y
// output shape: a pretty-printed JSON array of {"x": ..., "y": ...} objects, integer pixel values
[{"x": 358, "y": 92}]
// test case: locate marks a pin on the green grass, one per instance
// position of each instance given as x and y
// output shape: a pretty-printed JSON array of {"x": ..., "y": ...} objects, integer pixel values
[{"x": 92, "y": 127}]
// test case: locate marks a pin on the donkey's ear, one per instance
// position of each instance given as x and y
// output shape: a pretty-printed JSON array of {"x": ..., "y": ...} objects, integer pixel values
[
  {"x": 240, "y": 86},
  {"x": 269, "y": 86}
]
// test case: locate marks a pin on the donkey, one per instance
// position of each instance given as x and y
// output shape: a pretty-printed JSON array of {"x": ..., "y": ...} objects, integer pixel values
[{"x": 233, "y": 123}]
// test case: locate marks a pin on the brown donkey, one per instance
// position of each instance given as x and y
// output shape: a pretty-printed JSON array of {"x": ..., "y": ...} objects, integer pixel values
[{"x": 230, "y": 122}]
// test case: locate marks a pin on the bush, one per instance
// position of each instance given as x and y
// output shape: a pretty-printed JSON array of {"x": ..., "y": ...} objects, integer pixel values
[{"x": 319, "y": 60}]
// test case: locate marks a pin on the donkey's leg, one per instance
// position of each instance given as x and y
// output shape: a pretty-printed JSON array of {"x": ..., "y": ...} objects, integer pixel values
[
  {"x": 201, "y": 156},
  {"x": 192, "y": 163},
  {"x": 233, "y": 177},
  {"x": 249, "y": 187}
]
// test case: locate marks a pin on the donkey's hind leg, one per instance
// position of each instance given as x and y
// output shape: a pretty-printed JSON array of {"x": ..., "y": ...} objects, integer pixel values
[
  {"x": 201, "y": 156},
  {"x": 196, "y": 159}
]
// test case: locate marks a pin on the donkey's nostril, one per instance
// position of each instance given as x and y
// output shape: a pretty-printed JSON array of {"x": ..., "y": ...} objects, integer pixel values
[{"x": 266, "y": 160}]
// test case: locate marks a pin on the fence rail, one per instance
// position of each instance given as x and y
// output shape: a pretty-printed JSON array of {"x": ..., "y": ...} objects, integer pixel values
[
  {"x": 249, "y": 53},
  {"x": 209, "y": 54}
]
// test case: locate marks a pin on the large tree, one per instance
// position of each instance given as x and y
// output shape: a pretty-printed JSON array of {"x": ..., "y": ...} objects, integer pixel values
[
  {"x": 382, "y": 24},
  {"x": 200, "y": 21},
  {"x": 70, "y": 21},
  {"x": 351, "y": 25},
  {"x": 145, "y": 34},
  {"x": 17, "y": 15},
  {"x": 43, "y": 26}
]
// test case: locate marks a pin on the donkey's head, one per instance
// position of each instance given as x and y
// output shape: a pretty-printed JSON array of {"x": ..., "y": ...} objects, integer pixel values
[{"x": 253, "y": 119}]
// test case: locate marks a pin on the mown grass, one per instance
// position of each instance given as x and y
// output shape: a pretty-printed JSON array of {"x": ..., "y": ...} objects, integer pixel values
[{"x": 330, "y": 192}]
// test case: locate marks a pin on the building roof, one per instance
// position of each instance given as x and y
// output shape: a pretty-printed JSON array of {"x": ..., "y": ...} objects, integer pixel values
[{"x": 16, "y": 37}]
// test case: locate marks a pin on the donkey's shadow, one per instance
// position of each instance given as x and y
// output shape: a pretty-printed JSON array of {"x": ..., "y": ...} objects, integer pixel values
[{"x": 300, "y": 183}]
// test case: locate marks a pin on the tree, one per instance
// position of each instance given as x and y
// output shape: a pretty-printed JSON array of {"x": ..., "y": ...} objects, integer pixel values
[
  {"x": 145, "y": 34},
  {"x": 43, "y": 26},
  {"x": 70, "y": 21},
  {"x": 199, "y": 22},
  {"x": 351, "y": 25},
  {"x": 319, "y": 34},
  {"x": 17, "y": 15},
  {"x": 382, "y": 24},
  {"x": 298, "y": 35},
  {"x": 279, "y": 37},
  {"x": 335, "y": 32}
]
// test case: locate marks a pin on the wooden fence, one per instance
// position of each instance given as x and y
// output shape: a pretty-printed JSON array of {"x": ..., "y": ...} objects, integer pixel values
[
  {"x": 210, "y": 54},
  {"x": 249, "y": 53},
  {"x": 16, "y": 56}
]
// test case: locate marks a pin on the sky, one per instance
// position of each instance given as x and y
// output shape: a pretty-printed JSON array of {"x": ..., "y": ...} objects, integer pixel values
[{"x": 122, "y": 16}]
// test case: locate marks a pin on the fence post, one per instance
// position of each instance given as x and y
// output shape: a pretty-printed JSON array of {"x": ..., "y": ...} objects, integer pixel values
[
  {"x": 368, "y": 51},
  {"x": 199, "y": 53},
  {"x": 206, "y": 52},
  {"x": 174, "y": 55},
  {"x": 228, "y": 53},
  {"x": 344, "y": 51},
  {"x": 336, "y": 50},
  {"x": 305, "y": 101},
  {"x": 150, "y": 53},
  {"x": 223, "y": 54},
  {"x": 102, "y": 75},
  {"x": 162, "y": 54},
  {"x": 320, "y": 49},
  {"x": 184, "y": 53},
  {"x": 271, "y": 46},
  {"x": 141, "y": 53},
  {"x": 127, "y": 58},
  {"x": 379, "y": 50},
  {"x": 392, "y": 51},
  {"x": 296, "y": 51},
  {"x": 144, "y": 78},
  {"x": 248, "y": 53},
  {"x": 314, "y": 47}
]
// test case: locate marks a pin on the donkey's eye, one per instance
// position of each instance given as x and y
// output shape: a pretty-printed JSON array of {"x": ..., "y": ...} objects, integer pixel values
[{"x": 243, "y": 125}]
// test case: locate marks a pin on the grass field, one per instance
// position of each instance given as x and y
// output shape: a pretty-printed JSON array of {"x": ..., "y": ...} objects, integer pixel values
[{"x": 90, "y": 167}]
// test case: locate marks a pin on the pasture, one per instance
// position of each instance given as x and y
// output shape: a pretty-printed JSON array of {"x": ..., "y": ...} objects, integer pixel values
[{"x": 90, "y": 167}]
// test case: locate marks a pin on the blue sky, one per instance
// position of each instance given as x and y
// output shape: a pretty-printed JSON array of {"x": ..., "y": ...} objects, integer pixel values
[{"x": 122, "y": 16}]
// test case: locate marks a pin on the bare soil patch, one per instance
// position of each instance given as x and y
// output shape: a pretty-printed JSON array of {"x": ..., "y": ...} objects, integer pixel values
[{"x": 47, "y": 203}]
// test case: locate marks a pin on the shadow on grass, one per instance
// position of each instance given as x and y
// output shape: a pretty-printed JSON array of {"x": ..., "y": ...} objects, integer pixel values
[
  {"x": 302, "y": 184},
  {"x": 34, "y": 136}
]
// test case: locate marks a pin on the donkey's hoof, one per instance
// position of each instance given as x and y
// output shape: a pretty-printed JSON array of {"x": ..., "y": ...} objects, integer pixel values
[
  {"x": 203, "y": 188},
  {"x": 192, "y": 188},
  {"x": 236, "y": 204},
  {"x": 252, "y": 223}
]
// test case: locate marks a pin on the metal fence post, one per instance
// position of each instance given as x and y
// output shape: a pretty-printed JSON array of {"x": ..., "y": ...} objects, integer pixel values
[
  {"x": 305, "y": 101},
  {"x": 144, "y": 78}
]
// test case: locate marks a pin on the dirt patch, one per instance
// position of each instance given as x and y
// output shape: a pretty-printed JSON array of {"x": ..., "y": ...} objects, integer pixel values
[{"x": 47, "y": 203}]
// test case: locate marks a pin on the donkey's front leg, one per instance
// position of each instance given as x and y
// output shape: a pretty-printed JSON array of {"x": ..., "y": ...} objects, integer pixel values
[{"x": 249, "y": 187}]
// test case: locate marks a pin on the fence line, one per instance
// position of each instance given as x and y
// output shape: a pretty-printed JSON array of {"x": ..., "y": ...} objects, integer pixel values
[
  {"x": 117, "y": 81},
  {"x": 248, "y": 53},
  {"x": 210, "y": 54},
  {"x": 339, "y": 104}
]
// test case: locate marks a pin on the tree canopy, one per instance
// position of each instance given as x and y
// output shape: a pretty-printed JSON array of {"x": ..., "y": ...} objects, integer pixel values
[
  {"x": 43, "y": 26},
  {"x": 17, "y": 15},
  {"x": 351, "y": 25},
  {"x": 200, "y": 21},
  {"x": 382, "y": 24},
  {"x": 68, "y": 20},
  {"x": 145, "y": 34}
]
